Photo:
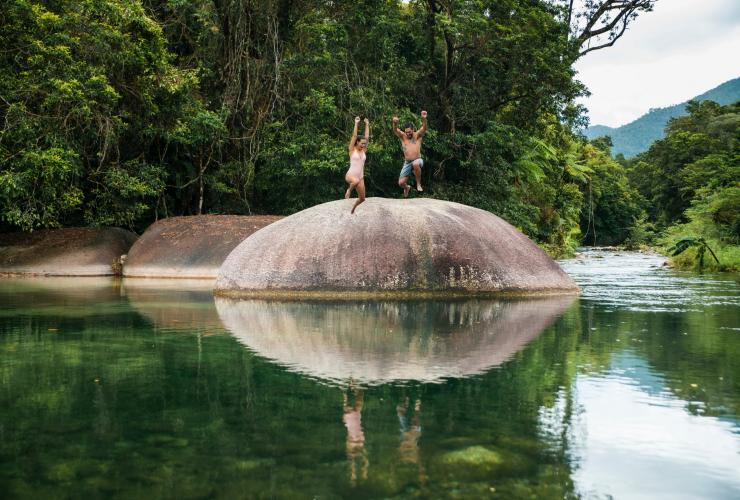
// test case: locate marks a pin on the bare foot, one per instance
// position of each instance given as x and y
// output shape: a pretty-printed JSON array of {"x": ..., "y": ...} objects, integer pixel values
[
  {"x": 418, "y": 188},
  {"x": 346, "y": 195},
  {"x": 406, "y": 190}
]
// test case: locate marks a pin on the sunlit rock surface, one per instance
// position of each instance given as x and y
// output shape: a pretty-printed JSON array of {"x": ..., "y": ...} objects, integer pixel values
[
  {"x": 190, "y": 247},
  {"x": 390, "y": 247},
  {"x": 64, "y": 252},
  {"x": 377, "y": 342}
]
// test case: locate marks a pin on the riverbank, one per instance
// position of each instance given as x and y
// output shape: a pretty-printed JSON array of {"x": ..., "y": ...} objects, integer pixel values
[{"x": 728, "y": 256}]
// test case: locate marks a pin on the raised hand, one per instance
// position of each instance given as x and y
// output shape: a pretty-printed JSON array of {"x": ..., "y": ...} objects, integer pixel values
[
  {"x": 367, "y": 121},
  {"x": 357, "y": 119},
  {"x": 423, "y": 114},
  {"x": 395, "y": 120}
]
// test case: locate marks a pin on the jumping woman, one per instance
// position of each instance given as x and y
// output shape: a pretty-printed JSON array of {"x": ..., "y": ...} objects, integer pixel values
[{"x": 355, "y": 176}]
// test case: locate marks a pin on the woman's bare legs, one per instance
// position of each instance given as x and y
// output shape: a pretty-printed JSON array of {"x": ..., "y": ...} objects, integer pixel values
[
  {"x": 360, "y": 188},
  {"x": 353, "y": 182}
]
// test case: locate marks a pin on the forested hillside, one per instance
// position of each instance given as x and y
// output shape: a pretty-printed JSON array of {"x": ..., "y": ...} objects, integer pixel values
[
  {"x": 637, "y": 136},
  {"x": 690, "y": 181}
]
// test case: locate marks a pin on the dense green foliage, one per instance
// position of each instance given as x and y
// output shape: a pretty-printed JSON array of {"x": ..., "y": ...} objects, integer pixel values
[
  {"x": 691, "y": 182},
  {"x": 90, "y": 100},
  {"x": 117, "y": 112},
  {"x": 612, "y": 205},
  {"x": 637, "y": 136}
]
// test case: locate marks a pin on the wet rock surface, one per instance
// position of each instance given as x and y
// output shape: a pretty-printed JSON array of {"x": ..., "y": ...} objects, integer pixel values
[{"x": 390, "y": 247}]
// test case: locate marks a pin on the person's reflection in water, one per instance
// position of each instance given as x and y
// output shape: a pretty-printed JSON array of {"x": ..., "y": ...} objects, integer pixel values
[
  {"x": 355, "y": 437},
  {"x": 408, "y": 448}
]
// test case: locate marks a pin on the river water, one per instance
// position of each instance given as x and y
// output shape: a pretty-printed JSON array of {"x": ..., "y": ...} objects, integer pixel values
[{"x": 138, "y": 388}]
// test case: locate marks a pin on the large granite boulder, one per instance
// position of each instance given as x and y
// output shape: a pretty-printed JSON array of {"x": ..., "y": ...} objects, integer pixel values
[
  {"x": 390, "y": 247},
  {"x": 375, "y": 342},
  {"x": 190, "y": 247},
  {"x": 69, "y": 251}
]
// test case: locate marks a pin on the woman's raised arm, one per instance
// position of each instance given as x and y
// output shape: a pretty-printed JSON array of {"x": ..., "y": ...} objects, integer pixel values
[{"x": 354, "y": 135}]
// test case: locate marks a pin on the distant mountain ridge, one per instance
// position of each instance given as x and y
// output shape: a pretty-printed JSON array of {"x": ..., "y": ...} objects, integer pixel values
[{"x": 637, "y": 136}]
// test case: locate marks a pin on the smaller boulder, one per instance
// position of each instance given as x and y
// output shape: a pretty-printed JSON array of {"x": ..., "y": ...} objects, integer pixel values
[
  {"x": 72, "y": 251},
  {"x": 191, "y": 246}
]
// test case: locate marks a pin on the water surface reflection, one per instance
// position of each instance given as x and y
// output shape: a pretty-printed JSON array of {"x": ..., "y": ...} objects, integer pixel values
[
  {"x": 379, "y": 342},
  {"x": 184, "y": 304},
  {"x": 630, "y": 422},
  {"x": 133, "y": 388}
]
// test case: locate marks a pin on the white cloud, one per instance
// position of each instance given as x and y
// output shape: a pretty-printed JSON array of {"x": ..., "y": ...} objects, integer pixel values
[{"x": 681, "y": 49}]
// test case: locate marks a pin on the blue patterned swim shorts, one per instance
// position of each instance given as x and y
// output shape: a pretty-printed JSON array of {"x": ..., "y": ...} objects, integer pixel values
[{"x": 408, "y": 168}]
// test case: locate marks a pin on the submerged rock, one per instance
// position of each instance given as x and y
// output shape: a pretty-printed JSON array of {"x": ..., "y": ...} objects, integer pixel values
[
  {"x": 475, "y": 456},
  {"x": 71, "y": 251},
  {"x": 390, "y": 247},
  {"x": 190, "y": 247},
  {"x": 478, "y": 462}
]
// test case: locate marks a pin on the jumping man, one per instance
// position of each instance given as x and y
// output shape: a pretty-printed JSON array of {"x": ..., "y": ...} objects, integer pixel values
[{"x": 411, "y": 145}]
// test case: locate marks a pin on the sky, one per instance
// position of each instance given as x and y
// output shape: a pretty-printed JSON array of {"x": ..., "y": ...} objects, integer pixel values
[{"x": 679, "y": 50}]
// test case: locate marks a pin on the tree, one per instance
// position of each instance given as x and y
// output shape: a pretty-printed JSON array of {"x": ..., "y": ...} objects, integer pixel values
[
  {"x": 597, "y": 24},
  {"x": 89, "y": 101},
  {"x": 699, "y": 151},
  {"x": 612, "y": 205},
  {"x": 117, "y": 112}
]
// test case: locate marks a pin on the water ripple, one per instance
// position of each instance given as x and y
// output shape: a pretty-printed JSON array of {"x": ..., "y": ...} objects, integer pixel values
[{"x": 639, "y": 281}]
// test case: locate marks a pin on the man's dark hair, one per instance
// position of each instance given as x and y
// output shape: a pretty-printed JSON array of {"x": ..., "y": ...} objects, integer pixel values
[{"x": 408, "y": 125}]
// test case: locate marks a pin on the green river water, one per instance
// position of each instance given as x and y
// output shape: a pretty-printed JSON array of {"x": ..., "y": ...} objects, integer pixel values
[{"x": 138, "y": 389}]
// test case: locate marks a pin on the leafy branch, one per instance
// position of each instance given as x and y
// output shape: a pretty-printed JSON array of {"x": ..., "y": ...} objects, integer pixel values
[{"x": 692, "y": 242}]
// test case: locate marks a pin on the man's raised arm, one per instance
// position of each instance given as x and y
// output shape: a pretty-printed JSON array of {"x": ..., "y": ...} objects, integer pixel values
[
  {"x": 423, "y": 129},
  {"x": 396, "y": 131}
]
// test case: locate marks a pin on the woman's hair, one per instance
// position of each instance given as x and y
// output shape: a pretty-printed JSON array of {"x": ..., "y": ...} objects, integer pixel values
[{"x": 359, "y": 138}]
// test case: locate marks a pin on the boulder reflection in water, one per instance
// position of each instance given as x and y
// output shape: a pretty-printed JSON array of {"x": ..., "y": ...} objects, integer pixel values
[
  {"x": 182, "y": 304},
  {"x": 377, "y": 342}
]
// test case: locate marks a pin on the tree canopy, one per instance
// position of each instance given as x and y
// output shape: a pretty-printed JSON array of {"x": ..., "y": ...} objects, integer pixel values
[{"x": 118, "y": 112}]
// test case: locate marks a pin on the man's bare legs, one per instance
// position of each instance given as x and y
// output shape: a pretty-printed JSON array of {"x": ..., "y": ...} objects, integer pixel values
[
  {"x": 408, "y": 448},
  {"x": 403, "y": 182},
  {"x": 360, "y": 188},
  {"x": 417, "y": 174}
]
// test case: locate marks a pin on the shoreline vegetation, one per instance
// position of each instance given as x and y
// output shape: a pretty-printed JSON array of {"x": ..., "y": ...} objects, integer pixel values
[
  {"x": 728, "y": 256},
  {"x": 120, "y": 113}
]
